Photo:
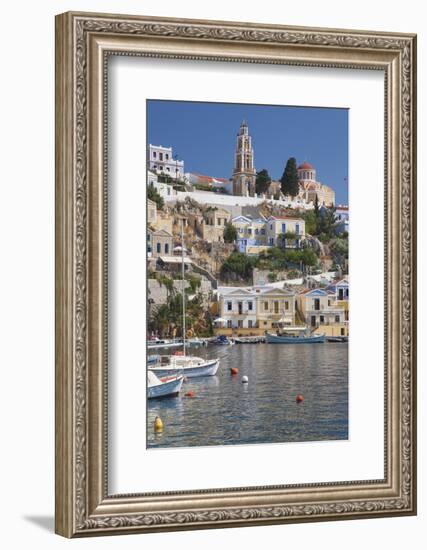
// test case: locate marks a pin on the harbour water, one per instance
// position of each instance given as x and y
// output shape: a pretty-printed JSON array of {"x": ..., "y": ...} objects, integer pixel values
[{"x": 225, "y": 411}]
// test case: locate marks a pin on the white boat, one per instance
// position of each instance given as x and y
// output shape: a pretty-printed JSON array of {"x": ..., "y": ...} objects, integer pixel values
[
  {"x": 187, "y": 365},
  {"x": 163, "y": 387}
]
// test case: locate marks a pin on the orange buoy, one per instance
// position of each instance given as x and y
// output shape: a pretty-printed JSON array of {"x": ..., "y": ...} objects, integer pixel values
[
  {"x": 299, "y": 398},
  {"x": 189, "y": 393},
  {"x": 234, "y": 370}
]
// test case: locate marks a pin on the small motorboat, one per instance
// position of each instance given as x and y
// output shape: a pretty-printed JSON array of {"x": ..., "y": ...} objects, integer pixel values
[
  {"x": 294, "y": 335},
  {"x": 187, "y": 365},
  {"x": 163, "y": 387},
  {"x": 223, "y": 340}
]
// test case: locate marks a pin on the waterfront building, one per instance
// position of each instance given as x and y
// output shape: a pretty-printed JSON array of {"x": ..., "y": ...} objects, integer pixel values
[
  {"x": 341, "y": 289},
  {"x": 237, "y": 308},
  {"x": 151, "y": 212},
  {"x": 161, "y": 161},
  {"x": 244, "y": 174},
  {"x": 310, "y": 187},
  {"x": 159, "y": 242},
  {"x": 275, "y": 306},
  {"x": 254, "y": 310},
  {"x": 322, "y": 311}
]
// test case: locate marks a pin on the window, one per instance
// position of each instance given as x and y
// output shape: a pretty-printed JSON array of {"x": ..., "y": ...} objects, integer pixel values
[
  {"x": 240, "y": 307},
  {"x": 271, "y": 240},
  {"x": 276, "y": 307},
  {"x": 322, "y": 318},
  {"x": 256, "y": 231},
  {"x": 167, "y": 169},
  {"x": 160, "y": 156},
  {"x": 249, "y": 231},
  {"x": 329, "y": 302},
  {"x": 262, "y": 231},
  {"x": 286, "y": 304},
  {"x": 297, "y": 228},
  {"x": 265, "y": 306},
  {"x": 159, "y": 248},
  {"x": 154, "y": 154},
  {"x": 229, "y": 306},
  {"x": 229, "y": 324},
  {"x": 337, "y": 318},
  {"x": 167, "y": 156},
  {"x": 342, "y": 332},
  {"x": 250, "y": 323},
  {"x": 250, "y": 306},
  {"x": 240, "y": 323},
  {"x": 316, "y": 304},
  {"x": 283, "y": 228},
  {"x": 271, "y": 226},
  {"x": 166, "y": 248}
]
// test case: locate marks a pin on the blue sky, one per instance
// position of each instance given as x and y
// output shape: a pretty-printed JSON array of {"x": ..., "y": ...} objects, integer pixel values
[{"x": 204, "y": 136}]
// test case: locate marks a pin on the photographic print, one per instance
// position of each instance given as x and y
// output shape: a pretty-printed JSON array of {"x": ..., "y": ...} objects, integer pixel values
[{"x": 247, "y": 270}]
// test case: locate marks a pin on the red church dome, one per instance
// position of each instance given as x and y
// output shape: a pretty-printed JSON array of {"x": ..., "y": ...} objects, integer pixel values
[{"x": 305, "y": 166}]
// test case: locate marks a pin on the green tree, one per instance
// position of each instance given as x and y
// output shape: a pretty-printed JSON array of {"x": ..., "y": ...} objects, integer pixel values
[
  {"x": 238, "y": 266},
  {"x": 153, "y": 195},
  {"x": 289, "y": 179},
  {"x": 339, "y": 249},
  {"x": 230, "y": 233},
  {"x": 326, "y": 222},
  {"x": 262, "y": 182},
  {"x": 310, "y": 222}
]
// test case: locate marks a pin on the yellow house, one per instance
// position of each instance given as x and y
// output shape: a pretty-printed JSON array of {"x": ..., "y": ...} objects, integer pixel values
[
  {"x": 277, "y": 226},
  {"x": 274, "y": 306},
  {"x": 322, "y": 313}
]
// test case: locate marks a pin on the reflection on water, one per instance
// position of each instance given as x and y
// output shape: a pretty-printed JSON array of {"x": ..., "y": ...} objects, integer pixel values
[{"x": 225, "y": 411}]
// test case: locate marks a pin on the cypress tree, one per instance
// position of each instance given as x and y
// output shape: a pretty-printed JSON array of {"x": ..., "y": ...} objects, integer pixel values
[{"x": 289, "y": 179}]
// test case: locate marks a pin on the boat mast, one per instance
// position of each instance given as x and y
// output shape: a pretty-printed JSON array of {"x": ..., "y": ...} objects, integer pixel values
[{"x": 183, "y": 284}]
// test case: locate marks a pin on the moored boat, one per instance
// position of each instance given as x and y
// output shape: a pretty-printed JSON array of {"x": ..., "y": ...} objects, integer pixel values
[
  {"x": 222, "y": 340},
  {"x": 294, "y": 335},
  {"x": 163, "y": 387},
  {"x": 187, "y": 365}
]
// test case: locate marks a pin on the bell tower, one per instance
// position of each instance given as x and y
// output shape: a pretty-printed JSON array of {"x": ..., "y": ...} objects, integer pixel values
[{"x": 244, "y": 174}]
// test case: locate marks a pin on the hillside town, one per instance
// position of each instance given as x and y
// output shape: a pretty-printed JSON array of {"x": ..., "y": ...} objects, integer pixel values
[{"x": 257, "y": 254}]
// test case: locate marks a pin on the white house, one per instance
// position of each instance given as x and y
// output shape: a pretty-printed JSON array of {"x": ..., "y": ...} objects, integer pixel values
[
  {"x": 161, "y": 161},
  {"x": 238, "y": 308},
  {"x": 165, "y": 190}
]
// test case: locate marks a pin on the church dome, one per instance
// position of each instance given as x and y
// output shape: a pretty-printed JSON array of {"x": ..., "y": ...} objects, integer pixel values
[{"x": 305, "y": 166}]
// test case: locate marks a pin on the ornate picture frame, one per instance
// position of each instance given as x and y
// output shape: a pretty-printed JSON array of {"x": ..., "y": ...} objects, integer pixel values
[{"x": 84, "y": 42}]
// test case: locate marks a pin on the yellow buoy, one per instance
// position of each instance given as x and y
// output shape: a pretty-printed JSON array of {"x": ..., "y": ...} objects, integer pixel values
[{"x": 158, "y": 424}]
